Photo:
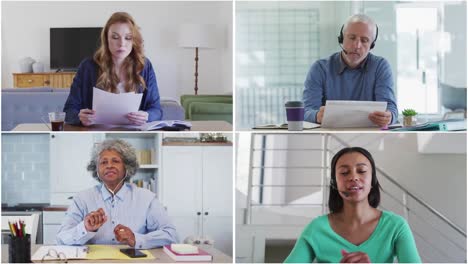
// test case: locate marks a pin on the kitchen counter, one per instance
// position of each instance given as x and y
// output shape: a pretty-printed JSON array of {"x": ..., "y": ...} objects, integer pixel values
[
  {"x": 24, "y": 207},
  {"x": 55, "y": 208}
]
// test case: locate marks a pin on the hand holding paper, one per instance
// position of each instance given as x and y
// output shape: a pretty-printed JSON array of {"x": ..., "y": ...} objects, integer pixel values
[
  {"x": 381, "y": 119},
  {"x": 320, "y": 114},
  {"x": 138, "y": 118},
  {"x": 112, "y": 109},
  {"x": 87, "y": 116},
  {"x": 351, "y": 113}
]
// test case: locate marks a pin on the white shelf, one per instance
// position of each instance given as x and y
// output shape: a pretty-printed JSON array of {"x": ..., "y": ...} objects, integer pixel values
[{"x": 149, "y": 166}]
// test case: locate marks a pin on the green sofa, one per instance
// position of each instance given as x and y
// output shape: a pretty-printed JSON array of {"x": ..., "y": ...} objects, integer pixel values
[{"x": 207, "y": 107}]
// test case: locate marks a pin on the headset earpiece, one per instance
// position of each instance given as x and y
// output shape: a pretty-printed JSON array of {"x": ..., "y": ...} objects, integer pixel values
[
  {"x": 340, "y": 37},
  {"x": 333, "y": 183},
  {"x": 376, "y": 36}
]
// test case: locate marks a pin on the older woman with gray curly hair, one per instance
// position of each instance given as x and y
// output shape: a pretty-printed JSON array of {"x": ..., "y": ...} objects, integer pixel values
[{"x": 115, "y": 211}]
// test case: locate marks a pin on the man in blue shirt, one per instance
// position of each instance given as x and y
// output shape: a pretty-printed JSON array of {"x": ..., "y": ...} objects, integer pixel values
[{"x": 352, "y": 74}]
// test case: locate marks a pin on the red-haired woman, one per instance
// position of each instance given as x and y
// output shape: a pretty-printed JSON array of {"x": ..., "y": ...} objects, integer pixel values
[{"x": 118, "y": 66}]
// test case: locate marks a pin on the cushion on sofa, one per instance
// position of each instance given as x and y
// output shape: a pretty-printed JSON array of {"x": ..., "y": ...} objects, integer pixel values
[
  {"x": 210, "y": 111},
  {"x": 187, "y": 100},
  {"x": 172, "y": 110}
]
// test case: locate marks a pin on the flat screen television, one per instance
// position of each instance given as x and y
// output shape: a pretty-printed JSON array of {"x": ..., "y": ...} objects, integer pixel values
[{"x": 69, "y": 46}]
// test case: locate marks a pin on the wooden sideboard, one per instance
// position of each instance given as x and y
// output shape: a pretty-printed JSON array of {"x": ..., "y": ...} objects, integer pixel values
[{"x": 49, "y": 79}]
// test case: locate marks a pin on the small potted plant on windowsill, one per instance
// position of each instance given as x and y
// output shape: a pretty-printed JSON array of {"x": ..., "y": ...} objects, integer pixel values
[{"x": 409, "y": 117}]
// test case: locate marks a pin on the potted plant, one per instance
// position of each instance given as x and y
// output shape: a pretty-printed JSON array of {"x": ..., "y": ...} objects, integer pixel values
[{"x": 409, "y": 117}]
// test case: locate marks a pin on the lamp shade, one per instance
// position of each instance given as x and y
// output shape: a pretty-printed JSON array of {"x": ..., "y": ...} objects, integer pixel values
[{"x": 197, "y": 36}]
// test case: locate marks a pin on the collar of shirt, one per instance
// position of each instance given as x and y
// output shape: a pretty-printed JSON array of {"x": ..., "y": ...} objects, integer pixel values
[
  {"x": 342, "y": 65},
  {"x": 121, "y": 194}
]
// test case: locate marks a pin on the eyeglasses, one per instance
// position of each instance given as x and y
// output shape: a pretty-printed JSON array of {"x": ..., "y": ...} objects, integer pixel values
[{"x": 52, "y": 254}]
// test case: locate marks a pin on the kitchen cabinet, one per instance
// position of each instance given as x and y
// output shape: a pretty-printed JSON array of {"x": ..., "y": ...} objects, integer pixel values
[
  {"x": 196, "y": 189},
  {"x": 52, "y": 221},
  {"x": 69, "y": 157}
]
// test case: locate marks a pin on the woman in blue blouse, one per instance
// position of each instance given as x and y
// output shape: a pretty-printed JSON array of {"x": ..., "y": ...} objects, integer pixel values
[
  {"x": 116, "y": 211},
  {"x": 118, "y": 66}
]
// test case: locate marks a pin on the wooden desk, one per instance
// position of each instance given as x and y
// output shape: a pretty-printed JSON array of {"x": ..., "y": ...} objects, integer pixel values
[
  {"x": 158, "y": 253},
  {"x": 196, "y": 126}
]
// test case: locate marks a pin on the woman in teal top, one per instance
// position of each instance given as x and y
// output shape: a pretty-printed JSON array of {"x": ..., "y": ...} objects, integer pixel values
[{"x": 355, "y": 231}]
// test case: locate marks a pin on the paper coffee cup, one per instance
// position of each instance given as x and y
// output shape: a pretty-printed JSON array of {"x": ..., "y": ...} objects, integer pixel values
[{"x": 295, "y": 115}]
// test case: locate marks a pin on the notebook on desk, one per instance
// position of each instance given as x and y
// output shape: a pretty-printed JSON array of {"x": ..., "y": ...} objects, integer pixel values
[
  {"x": 170, "y": 125},
  {"x": 306, "y": 125},
  {"x": 443, "y": 125},
  {"x": 93, "y": 252},
  {"x": 60, "y": 252}
]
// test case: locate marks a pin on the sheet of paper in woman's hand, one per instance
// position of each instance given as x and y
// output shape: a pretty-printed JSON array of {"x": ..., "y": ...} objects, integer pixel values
[{"x": 112, "y": 109}]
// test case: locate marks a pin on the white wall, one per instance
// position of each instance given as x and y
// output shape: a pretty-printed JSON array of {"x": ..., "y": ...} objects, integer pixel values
[{"x": 25, "y": 32}]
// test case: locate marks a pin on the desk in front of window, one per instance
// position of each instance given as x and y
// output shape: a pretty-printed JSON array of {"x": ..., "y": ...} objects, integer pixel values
[{"x": 158, "y": 253}]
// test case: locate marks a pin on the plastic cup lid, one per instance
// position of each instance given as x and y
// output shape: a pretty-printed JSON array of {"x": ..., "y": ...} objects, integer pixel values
[{"x": 294, "y": 104}]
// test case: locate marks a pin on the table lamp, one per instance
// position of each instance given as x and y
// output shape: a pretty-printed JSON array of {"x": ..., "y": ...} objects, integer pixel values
[{"x": 196, "y": 36}]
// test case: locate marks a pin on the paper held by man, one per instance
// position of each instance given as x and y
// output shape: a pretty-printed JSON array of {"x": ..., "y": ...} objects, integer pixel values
[
  {"x": 112, "y": 109},
  {"x": 345, "y": 114}
]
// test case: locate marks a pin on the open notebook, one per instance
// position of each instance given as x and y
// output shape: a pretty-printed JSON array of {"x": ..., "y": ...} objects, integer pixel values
[
  {"x": 163, "y": 125},
  {"x": 53, "y": 252},
  {"x": 306, "y": 125}
]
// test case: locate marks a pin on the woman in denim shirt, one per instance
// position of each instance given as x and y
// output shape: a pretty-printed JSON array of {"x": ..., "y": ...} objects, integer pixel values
[{"x": 118, "y": 66}]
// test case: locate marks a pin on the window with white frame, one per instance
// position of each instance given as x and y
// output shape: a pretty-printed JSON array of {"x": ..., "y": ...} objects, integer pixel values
[{"x": 274, "y": 50}]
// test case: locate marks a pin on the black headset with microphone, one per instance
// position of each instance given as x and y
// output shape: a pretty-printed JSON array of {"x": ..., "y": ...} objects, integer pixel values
[
  {"x": 341, "y": 38},
  {"x": 333, "y": 185}
]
